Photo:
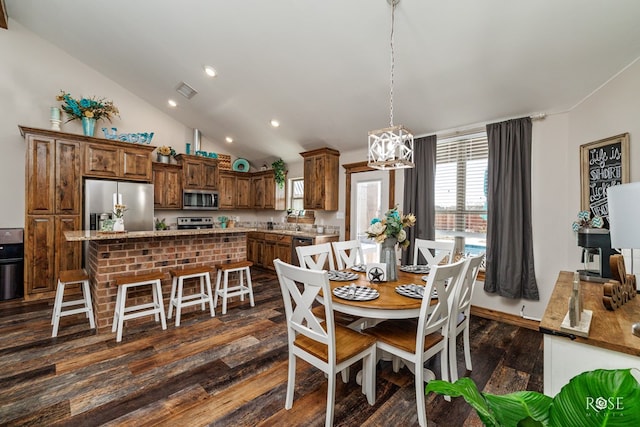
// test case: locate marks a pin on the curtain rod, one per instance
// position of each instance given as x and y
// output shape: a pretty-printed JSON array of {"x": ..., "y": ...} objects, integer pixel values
[{"x": 478, "y": 128}]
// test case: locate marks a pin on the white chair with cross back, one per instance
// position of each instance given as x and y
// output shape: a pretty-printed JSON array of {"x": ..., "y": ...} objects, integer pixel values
[
  {"x": 460, "y": 314},
  {"x": 433, "y": 251},
  {"x": 316, "y": 257},
  {"x": 348, "y": 253},
  {"x": 320, "y": 342}
]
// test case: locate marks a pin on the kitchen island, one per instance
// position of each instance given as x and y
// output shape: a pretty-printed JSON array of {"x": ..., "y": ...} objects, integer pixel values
[
  {"x": 610, "y": 344},
  {"x": 111, "y": 255}
]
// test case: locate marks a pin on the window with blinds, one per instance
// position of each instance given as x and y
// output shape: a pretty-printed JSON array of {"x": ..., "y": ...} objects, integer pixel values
[
  {"x": 461, "y": 190},
  {"x": 296, "y": 194}
]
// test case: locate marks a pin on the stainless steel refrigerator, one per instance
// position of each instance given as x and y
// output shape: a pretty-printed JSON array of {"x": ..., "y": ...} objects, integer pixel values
[{"x": 100, "y": 196}]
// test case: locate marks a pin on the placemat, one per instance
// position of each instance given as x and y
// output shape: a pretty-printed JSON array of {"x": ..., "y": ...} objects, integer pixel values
[
  {"x": 414, "y": 291},
  {"x": 342, "y": 276},
  {"x": 360, "y": 268},
  {"x": 417, "y": 269},
  {"x": 356, "y": 293}
]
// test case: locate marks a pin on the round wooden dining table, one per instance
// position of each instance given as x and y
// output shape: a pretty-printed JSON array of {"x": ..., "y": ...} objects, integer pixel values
[{"x": 389, "y": 305}]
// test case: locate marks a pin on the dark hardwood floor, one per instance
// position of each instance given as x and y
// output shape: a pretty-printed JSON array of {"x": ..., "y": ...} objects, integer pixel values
[{"x": 230, "y": 370}]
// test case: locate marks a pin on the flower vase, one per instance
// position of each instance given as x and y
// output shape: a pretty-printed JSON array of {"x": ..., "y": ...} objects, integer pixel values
[
  {"x": 162, "y": 158},
  {"x": 118, "y": 225},
  {"x": 388, "y": 257},
  {"x": 88, "y": 125}
]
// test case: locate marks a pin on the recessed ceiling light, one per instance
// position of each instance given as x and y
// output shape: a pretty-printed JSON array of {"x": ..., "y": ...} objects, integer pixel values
[
  {"x": 211, "y": 72},
  {"x": 275, "y": 123},
  {"x": 172, "y": 103},
  {"x": 229, "y": 139}
]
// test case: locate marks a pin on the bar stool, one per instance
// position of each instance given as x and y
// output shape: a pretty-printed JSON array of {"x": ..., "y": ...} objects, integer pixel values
[
  {"x": 72, "y": 277},
  {"x": 178, "y": 301},
  {"x": 241, "y": 267},
  {"x": 122, "y": 312}
]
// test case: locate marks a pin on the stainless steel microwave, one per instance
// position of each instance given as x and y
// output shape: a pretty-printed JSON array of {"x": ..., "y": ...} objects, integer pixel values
[{"x": 200, "y": 200}]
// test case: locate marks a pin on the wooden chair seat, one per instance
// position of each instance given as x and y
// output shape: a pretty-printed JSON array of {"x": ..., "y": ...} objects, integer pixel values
[
  {"x": 402, "y": 334},
  {"x": 348, "y": 344}
]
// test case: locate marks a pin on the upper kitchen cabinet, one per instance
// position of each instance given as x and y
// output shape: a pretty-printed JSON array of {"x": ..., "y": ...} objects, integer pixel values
[
  {"x": 227, "y": 198},
  {"x": 167, "y": 186},
  {"x": 321, "y": 179},
  {"x": 118, "y": 160},
  {"x": 53, "y": 178},
  {"x": 199, "y": 173}
]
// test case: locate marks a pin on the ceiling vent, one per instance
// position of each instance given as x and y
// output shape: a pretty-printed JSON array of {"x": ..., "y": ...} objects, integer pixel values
[{"x": 186, "y": 90}]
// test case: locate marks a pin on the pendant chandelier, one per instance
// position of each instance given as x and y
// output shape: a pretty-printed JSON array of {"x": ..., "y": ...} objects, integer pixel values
[{"x": 391, "y": 147}]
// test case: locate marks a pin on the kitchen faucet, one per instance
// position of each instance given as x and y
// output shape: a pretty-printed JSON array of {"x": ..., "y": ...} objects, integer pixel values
[{"x": 297, "y": 218}]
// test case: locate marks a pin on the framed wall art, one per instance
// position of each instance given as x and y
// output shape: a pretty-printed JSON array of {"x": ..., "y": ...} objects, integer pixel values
[{"x": 603, "y": 163}]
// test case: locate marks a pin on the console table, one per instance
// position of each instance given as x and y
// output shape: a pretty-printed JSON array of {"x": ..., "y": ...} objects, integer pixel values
[{"x": 610, "y": 344}]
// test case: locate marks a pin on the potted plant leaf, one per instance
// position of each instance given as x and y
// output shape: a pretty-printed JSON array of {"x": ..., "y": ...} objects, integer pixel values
[
  {"x": 595, "y": 398},
  {"x": 279, "y": 172}
]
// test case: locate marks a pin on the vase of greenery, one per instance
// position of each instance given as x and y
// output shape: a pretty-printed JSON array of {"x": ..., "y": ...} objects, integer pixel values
[
  {"x": 223, "y": 221},
  {"x": 87, "y": 110}
]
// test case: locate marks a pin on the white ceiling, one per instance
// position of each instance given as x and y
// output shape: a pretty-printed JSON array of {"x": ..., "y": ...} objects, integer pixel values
[{"x": 321, "y": 67}]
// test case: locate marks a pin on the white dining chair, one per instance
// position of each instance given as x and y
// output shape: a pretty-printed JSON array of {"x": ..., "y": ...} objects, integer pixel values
[
  {"x": 348, "y": 253},
  {"x": 433, "y": 251},
  {"x": 320, "y": 342},
  {"x": 415, "y": 343},
  {"x": 460, "y": 314},
  {"x": 315, "y": 257}
]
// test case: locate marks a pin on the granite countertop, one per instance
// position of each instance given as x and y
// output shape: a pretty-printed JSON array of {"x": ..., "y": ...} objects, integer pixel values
[{"x": 86, "y": 235}]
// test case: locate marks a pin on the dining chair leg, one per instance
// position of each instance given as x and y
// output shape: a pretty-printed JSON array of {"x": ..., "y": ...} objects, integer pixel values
[
  {"x": 331, "y": 394},
  {"x": 453, "y": 358},
  {"x": 420, "y": 403},
  {"x": 345, "y": 375},
  {"x": 291, "y": 381},
  {"x": 369, "y": 377},
  {"x": 467, "y": 348}
]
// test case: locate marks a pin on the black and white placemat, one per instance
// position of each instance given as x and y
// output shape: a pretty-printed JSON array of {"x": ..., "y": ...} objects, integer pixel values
[
  {"x": 360, "y": 268},
  {"x": 342, "y": 276},
  {"x": 417, "y": 269},
  {"x": 413, "y": 291},
  {"x": 356, "y": 293}
]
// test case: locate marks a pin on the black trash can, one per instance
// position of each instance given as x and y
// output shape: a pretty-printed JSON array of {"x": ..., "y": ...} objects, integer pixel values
[{"x": 11, "y": 263}]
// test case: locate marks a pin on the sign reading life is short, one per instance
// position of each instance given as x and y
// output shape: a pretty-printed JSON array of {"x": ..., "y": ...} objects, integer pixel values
[{"x": 603, "y": 163}]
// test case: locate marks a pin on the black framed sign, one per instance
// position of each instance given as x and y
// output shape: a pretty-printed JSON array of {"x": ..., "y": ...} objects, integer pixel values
[{"x": 603, "y": 163}]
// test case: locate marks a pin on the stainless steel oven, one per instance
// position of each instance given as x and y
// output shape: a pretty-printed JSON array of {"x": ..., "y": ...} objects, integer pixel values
[{"x": 194, "y": 222}]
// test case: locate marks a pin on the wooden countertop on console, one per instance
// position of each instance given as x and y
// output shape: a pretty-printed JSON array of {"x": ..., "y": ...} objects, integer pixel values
[
  {"x": 84, "y": 235},
  {"x": 609, "y": 329}
]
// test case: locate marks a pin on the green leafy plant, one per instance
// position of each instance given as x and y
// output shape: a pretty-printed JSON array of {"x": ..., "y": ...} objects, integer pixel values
[
  {"x": 161, "y": 224},
  {"x": 279, "y": 172},
  {"x": 223, "y": 219},
  {"x": 596, "y": 398}
]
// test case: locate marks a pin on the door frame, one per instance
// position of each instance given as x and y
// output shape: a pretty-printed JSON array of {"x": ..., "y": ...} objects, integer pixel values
[{"x": 358, "y": 167}]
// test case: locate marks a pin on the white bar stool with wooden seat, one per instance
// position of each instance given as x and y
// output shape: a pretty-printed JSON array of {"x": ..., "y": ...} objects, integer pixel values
[
  {"x": 178, "y": 301},
  {"x": 222, "y": 287},
  {"x": 72, "y": 277},
  {"x": 122, "y": 312}
]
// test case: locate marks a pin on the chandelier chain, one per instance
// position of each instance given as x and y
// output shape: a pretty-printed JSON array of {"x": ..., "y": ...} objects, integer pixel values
[{"x": 393, "y": 9}]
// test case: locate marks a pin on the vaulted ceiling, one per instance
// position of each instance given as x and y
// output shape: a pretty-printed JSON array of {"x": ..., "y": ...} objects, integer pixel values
[{"x": 322, "y": 67}]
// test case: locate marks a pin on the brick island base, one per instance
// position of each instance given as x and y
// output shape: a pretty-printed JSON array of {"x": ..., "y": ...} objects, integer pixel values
[{"x": 108, "y": 259}]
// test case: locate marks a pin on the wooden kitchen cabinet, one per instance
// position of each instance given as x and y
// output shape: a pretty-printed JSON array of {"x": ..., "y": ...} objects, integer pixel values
[
  {"x": 228, "y": 195},
  {"x": 321, "y": 179},
  {"x": 118, "y": 160},
  {"x": 167, "y": 186},
  {"x": 199, "y": 173},
  {"x": 243, "y": 192},
  {"x": 255, "y": 248},
  {"x": 53, "y": 195},
  {"x": 257, "y": 192}
]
